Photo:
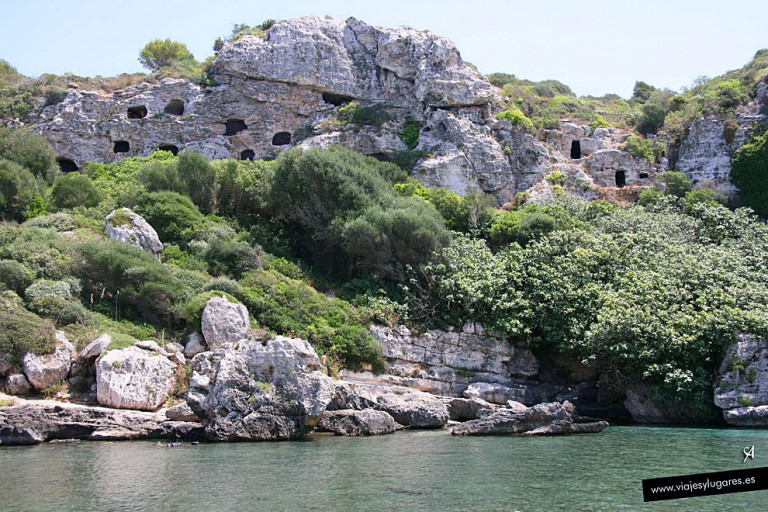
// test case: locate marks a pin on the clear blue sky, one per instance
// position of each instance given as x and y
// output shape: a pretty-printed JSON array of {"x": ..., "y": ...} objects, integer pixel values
[{"x": 595, "y": 46}]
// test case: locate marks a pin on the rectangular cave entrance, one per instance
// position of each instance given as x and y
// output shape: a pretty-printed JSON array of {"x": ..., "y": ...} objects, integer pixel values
[
  {"x": 621, "y": 178},
  {"x": 575, "y": 149},
  {"x": 137, "y": 112},
  {"x": 234, "y": 126}
]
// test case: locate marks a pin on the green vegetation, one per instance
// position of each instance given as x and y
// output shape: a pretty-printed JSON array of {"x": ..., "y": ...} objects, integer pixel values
[
  {"x": 750, "y": 174},
  {"x": 72, "y": 190},
  {"x": 410, "y": 133},
  {"x": 653, "y": 293},
  {"x": 640, "y": 147},
  {"x": 164, "y": 53},
  {"x": 22, "y": 331}
]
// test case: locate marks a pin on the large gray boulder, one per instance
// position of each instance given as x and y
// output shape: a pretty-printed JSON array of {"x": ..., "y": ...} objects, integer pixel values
[
  {"x": 542, "y": 419},
  {"x": 129, "y": 227},
  {"x": 368, "y": 422},
  {"x": 195, "y": 345},
  {"x": 526, "y": 392},
  {"x": 742, "y": 389},
  {"x": 224, "y": 322},
  {"x": 12, "y": 435},
  {"x": 132, "y": 378},
  {"x": 46, "y": 370},
  {"x": 255, "y": 392},
  {"x": 409, "y": 407}
]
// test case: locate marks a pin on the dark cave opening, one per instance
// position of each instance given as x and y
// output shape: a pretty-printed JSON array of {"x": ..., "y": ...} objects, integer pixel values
[
  {"x": 234, "y": 126},
  {"x": 281, "y": 139},
  {"x": 621, "y": 178},
  {"x": 137, "y": 112},
  {"x": 169, "y": 147},
  {"x": 576, "y": 150},
  {"x": 336, "y": 100},
  {"x": 67, "y": 164},
  {"x": 174, "y": 108},
  {"x": 122, "y": 146},
  {"x": 247, "y": 154}
]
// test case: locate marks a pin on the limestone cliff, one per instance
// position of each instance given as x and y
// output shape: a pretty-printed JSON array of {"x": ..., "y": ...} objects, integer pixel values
[{"x": 316, "y": 81}]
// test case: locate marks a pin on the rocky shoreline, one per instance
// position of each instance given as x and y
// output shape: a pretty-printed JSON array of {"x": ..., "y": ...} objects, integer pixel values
[{"x": 244, "y": 389}]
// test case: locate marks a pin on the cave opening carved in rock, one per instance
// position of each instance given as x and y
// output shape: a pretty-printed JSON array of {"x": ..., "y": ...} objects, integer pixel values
[
  {"x": 336, "y": 100},
  {"x": 576, "y": 150},
  {"x": 174, "y": 108},
  {"x": 122, "y": 146},
  {"x": 281, "y": 139},
  {"x": 137, "y": 112},
  {"x": 67, "y": 164},
  {"x": 234, "y": 126},
  {"x": 621, "y": 178},
  {"x": 247, "y": 154},
  {"x": 643, "y": 176},
  {"x": 169, "y": 147}
]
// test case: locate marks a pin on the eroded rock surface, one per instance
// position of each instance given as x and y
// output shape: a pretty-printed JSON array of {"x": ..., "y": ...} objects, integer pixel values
[
  {"x": 134, "y": 378},
  {"x": 224, "y": 322},
  {"x": 129, "y": 227},
  {"x": 368, "y": 422},
  {"x": 541, "y": 419},
  {"x": 46, "y": 370},
  {"x": 742, "y": 391}
]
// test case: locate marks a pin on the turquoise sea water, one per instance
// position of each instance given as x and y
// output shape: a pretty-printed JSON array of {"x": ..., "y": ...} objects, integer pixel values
[{"x": 408, "y": 471}]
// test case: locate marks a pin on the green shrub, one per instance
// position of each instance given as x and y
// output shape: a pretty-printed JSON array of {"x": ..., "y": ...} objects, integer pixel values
[
  {"x": 750, "y": 174},
  {"x": 161, "y": 175},
  {"x": 61, "y": 311},
  {"x": 505, "y": 228},
  {"x": 410, "y": 133},
  {"x": 162, "y": 53},
  {"x": 200, "y": 179},
  {"x": 72, "y": 190},
  {"x": 639, "y": 147},
  {"x": 535, "y": 226},
  {"x": 675, "y": 183},
  {"x": 171, "y": 214},
  {"x": 650, "y": 196},
  {"x": 17, "y": 189},
  {"x": 286, "y": 267},
  {"x": 293, "y": 308},
  {"x": 515, "y": 116},
  {"x": 231, "y": 258},
  {"x": 22, "y": 331},
  {"x": 15, "y": 276},
  {"x": 30, "y": 151},
  {"x": 44, "y": 288},
  {"x": 59, "y": 222}
]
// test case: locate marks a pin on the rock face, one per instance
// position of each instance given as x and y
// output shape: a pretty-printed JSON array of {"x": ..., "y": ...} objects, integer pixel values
[
  {"x": 409, "y": 407},
  {"x": 43, "y": 420},
  {"x": 46, "y": 370},
  {"x": 358, "y": 423},
  {"x": 195, "y": 345},
  {"x": 742, "y": 391},
  {"x": 444, "y": 363},
  {"x": 255, "y": 392},
  {"x": 17, "y": 384},
  {"x": 528, "y": 394},
  {"x": 128, "y": 227},
  {"x": 542, "y": 419},
  {"x": 132, "y": 378},
  {"x": 224, "y": 322}
]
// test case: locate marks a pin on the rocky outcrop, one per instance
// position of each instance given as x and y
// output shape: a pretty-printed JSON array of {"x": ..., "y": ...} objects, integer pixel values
[
  {"x": 224, "y": 322},
  {"x": 409, "y": 407},
  {"x": 742, "y": 390},
  {"x": 130, "y": 228},
  {"x": 368, "y": 422},
  {"x": 613, "y": 167},
  {"x": 525, "y": 393},
  {"x": 133, "y": 378},
  {"x": 45, "y": 420},
  {"x": 446, "y": 362},
  {"x": 464, "y": 409},
  {"x": 181, "y": 412},
  {"x": 542, "y": 419},
  {"x": 46, "y": 370},
  {"x": 195, "y": 345},
  {"x": 647, "y": 406},
  {"x": 17, "y": 384},
  {"x": 255, "y": 392}
]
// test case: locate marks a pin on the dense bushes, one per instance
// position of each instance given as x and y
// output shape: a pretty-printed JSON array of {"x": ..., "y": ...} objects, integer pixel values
[
  {"x": 655, "y": 294},
  {"x": 171, "y": 214},
  {"x": 72, "y": 190},
  {"x": 17, "y": 189},
  {"x": 30, "y": 151},
  {"x": 750, "y": 174},
  {"x": 22, "y": 331}
]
